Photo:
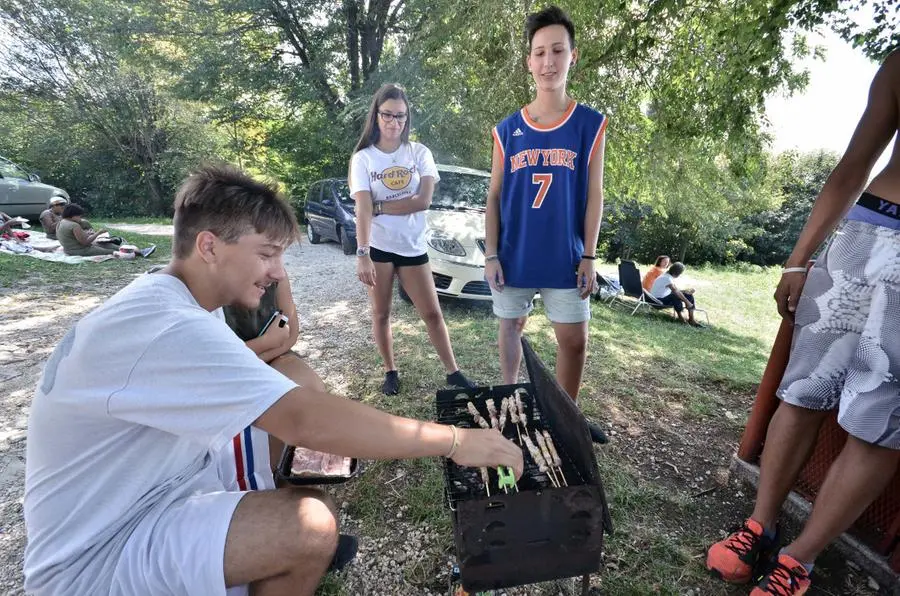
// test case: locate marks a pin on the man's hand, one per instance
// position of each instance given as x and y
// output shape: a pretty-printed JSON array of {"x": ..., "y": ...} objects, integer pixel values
[
  {"x": 488, "y": 448},
  {"x": 365, "y": 270},
  {"x": 493, "y": 272},
  {"x": 586, "y": 277},
  {"x": 787, "y": 294}
]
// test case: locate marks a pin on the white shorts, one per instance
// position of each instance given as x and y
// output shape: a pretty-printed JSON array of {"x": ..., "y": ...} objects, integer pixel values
[
  {"x": 563, "y": 305},
  {"x": 180, "y": 552},
  {"x": 244, "y": 463}
]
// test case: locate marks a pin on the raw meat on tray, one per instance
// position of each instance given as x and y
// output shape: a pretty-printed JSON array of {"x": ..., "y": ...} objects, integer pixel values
[{"x": 308, "y": 463}]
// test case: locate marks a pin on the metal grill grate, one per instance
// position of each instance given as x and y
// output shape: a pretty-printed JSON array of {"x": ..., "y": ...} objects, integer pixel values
[
  {"x": 478, "y": 288},
  {"x": 878, "y": 524}
]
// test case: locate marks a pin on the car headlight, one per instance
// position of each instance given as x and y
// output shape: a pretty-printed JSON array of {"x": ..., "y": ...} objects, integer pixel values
[{"x": 446, "y": 244}]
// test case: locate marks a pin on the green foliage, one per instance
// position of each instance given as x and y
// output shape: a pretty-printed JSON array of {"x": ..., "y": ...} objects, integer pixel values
[
  {"x": 115, "y": 100},
  {"x": 799, "y": 177}
]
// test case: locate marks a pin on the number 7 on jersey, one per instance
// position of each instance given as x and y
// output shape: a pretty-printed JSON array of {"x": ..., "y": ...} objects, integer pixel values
[{"x": 545, "y": 180}]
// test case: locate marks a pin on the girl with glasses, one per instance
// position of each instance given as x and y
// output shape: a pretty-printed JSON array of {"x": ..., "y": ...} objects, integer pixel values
[{"x": 392, "y": 180}]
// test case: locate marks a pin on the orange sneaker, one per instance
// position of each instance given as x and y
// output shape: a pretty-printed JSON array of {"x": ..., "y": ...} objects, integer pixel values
[
  {"x": 734, "y": 558},
  {"x": 786, "y": 577}
]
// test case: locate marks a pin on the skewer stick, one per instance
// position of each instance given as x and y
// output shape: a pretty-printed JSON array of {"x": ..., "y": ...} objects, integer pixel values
[
  {"x": 504, "y": 412},
  {"x": 486, "y": 479},
  {"x": 555, "y": 455}
]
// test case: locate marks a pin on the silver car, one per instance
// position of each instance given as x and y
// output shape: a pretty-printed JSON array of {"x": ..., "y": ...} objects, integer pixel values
[{"x": 22, "y": 194}]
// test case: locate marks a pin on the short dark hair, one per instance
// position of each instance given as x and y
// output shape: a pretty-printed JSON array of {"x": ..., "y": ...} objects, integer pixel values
[
  {"x": 552, "y": 15},
  {"x": 221, "y": 199},
  {"x": 676, "y": 269},
  {"x": 72, "y": 210}
]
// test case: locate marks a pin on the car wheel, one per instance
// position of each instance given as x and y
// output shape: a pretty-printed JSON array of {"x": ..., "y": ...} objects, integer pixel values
[
  {"x": 313, "y": 236},
  {"x": 348, "y": 245},
  {"x": 403, "y": 295}
]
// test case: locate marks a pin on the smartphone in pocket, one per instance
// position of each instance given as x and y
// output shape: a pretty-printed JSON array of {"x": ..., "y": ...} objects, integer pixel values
[{"x": 275, "y": 316}]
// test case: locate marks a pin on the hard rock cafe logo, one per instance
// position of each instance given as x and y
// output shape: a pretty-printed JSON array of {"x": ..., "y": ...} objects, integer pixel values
[{"x": 394, "y": 177}]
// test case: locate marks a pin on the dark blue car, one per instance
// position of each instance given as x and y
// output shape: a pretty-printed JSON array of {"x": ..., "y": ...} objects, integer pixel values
[{"x": 330, "y": 214}]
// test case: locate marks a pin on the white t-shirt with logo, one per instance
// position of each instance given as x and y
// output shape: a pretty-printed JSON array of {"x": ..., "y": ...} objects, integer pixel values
[
  {"x": 131, "y": 409},
  {"x": 660, "y": 287},
  {"x": 392, "y": 177}
]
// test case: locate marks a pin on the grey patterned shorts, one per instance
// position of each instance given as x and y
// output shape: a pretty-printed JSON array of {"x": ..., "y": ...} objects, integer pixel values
[{"x": 846, "y": 346}]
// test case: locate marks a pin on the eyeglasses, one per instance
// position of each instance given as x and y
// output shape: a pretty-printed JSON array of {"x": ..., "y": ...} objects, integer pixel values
[{"x": 387, "y": 117}]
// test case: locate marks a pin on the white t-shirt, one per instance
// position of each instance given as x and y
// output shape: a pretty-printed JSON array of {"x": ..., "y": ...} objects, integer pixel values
[
  {"x": 132, "y": 404},
  {"x": 660, "y": 287},
  {"x": 392, "y": 177}
]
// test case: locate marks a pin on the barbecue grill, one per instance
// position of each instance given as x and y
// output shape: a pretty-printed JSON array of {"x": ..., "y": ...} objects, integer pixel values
[{"x": 541, "y": 532}]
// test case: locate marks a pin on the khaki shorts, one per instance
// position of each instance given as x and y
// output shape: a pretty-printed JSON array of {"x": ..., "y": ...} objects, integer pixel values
[{"x": 563, "y": 305}]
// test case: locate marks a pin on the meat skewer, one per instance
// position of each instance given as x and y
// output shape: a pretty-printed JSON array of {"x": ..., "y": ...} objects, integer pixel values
[
  {"x": 514, "y": 416},
  {"x": 492, "y": 413},
  {"x": 476, "y": 416},
  {"x": 555, "y": 456},
  {"x": 504, "y": 412},
  {"x": 538, "y": 459},
  {"x": 545, "y": 451}
]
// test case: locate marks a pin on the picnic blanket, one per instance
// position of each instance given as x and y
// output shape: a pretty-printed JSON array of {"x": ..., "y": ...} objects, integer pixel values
[{"x": 40, "y": 240}]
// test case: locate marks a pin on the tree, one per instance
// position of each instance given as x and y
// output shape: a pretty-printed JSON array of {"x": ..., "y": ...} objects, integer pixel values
[{"x": 80, "y": 56}]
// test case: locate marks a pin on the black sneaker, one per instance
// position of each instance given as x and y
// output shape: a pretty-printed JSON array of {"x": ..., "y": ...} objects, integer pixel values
[
  {"x": 458, "y": 379},
  {"x": 146, "y": 252},
  {"x": 391, "y": 385},
  {"x": 597, "y": 434}
]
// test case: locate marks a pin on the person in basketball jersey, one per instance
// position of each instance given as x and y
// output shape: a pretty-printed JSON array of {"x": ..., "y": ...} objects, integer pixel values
[{"x": 544, "y": 207}]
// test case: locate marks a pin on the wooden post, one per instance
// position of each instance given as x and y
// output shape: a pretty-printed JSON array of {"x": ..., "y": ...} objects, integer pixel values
[{"x": 766, "y": 402}]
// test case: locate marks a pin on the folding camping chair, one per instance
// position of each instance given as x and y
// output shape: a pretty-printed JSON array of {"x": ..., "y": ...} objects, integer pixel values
[{"x": 630, "y": 278}]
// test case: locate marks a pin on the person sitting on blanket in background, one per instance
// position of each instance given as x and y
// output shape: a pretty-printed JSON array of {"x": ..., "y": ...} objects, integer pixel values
[
  {"x": 665, "y": 290},
  {"x": 662, "y": 263},
  {"x": 51, "y": 216},
  {"x": 76, "y": 241},
  {"x": 7, "y": 223}
]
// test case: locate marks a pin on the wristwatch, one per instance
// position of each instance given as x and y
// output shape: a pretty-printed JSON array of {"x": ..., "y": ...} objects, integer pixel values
[
  {"x": 362, "y": 251},
  {"x": 377, "y": 208}
]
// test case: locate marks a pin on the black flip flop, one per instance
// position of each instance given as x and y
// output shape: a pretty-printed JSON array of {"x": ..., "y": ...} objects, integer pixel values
[{"x": 346, "y": 552}]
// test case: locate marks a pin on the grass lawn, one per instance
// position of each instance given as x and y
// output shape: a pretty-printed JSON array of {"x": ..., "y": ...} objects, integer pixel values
[
  {"x": 673, "y": 398},
  {"x": 37, "y": 273}
]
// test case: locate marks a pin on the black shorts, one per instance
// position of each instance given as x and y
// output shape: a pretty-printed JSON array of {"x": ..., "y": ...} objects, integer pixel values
[{"x": 383, "y": 256}]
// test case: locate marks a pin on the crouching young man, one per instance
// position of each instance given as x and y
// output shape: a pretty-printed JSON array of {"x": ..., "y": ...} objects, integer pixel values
[{"x": 122, "y": 494}]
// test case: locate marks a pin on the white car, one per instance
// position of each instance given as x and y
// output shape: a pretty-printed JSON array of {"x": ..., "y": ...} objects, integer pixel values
[{"x": 455, "y": 233}]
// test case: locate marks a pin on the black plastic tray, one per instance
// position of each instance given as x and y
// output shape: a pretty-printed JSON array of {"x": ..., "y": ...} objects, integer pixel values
[{"x": 283, "y": 473}]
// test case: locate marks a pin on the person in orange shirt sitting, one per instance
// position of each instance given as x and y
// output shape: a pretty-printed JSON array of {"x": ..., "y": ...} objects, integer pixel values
[{"x": 662, "y": 263}]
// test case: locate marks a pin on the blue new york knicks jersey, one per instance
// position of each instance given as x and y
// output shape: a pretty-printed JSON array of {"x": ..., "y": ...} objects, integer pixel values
[{"x": 544, "y": 195}]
